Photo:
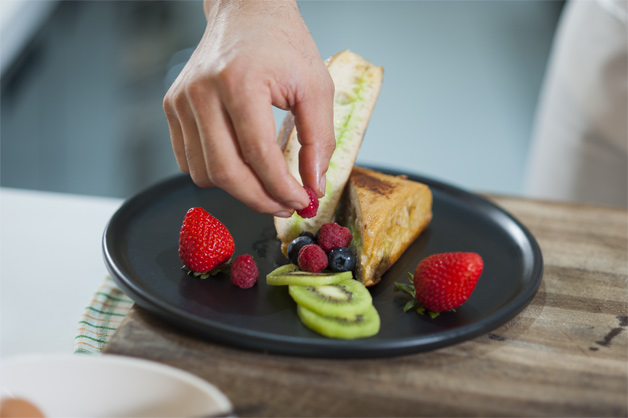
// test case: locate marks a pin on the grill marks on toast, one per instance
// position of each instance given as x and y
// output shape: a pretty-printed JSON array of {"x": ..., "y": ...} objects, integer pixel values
[
  {"x": 386, "y": 214},
  {"x": 364, "y": 180}
]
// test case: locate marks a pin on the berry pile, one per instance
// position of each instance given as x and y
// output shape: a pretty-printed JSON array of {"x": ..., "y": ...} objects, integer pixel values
[{"x": 328, "y": 249}]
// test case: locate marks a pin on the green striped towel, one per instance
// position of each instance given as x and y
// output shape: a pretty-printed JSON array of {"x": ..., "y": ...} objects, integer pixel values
[{"x": 101, "y": 318}]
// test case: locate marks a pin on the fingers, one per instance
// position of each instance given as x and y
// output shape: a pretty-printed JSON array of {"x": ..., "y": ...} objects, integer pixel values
[
  {"x": 254, "y": 125},
  {"x": 186, "y": 140},
  {"x": 314, "y": 116},
  {"x": 206, "y": 147},
  {"x": 224, "y": 163},
  {"x": 222, "y": 126},
  {"x": 176, "y": 133}
]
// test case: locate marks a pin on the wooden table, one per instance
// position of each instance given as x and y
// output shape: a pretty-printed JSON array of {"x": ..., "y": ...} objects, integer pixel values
[{"x": 564, "y": 355}]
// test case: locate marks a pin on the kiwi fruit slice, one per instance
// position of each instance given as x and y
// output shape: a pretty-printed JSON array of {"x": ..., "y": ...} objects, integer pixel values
[
  {"x": 290, "y": 274},
  {"x": 348, "y": 297},
  {"x": 347, "y": 327}
]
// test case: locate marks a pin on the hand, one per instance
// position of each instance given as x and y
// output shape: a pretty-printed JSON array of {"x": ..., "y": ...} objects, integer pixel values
[{"x": 252, "y": 56}]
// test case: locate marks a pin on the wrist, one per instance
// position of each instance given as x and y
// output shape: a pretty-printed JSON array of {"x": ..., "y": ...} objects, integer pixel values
[{"x": 213, "y": 7}]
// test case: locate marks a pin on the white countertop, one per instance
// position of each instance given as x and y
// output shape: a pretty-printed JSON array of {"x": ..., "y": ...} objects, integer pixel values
[{"x": 51, "y": 264}]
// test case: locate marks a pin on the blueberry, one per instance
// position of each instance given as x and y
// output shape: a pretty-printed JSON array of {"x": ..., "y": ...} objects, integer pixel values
[
  {"x": 308, "y": 234},
  {"x": 296, "y": 245},
  {"x": 341, "y": 259}
]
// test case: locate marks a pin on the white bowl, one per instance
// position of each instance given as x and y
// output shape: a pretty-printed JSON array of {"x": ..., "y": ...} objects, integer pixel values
[{"x": 108, "y": 386}]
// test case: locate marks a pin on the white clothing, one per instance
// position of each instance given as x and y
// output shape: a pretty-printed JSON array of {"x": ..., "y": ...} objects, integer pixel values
[{"x": 579, "y": 148}]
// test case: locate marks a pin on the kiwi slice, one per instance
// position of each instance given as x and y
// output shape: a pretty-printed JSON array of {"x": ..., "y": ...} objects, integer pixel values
[
  {"x": 347, "y": 327},
  {"x": 348, "y": 297},
  {"x": 290, "y": 274}
]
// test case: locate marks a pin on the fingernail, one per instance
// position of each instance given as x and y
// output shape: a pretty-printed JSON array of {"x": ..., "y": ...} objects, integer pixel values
[
  {"x": 323, "y": 185},
  {"x": 283, "y": 214},
  {"x": 298, "y": 205}
]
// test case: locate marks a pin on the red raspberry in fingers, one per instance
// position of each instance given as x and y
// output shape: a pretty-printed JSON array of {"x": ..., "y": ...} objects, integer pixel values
[{"x": 312, "y": 208}]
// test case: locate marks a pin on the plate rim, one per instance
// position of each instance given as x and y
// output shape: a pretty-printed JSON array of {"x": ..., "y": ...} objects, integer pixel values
[{"x": 329, "y": 348}]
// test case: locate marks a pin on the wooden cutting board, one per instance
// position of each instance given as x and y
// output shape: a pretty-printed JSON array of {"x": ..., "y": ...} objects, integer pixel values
[{"x": 566, "y": 354}]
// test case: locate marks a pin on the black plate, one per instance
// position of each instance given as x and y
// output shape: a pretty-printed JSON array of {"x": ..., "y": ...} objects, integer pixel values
[{"x": 140, "y": 249}]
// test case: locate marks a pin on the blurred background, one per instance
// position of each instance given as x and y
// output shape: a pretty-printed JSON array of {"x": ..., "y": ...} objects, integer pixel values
[{"x": 83, "y": 83}]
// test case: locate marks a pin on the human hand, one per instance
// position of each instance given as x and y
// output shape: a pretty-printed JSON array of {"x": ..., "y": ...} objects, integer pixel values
[{"x": 252, "y": 56}]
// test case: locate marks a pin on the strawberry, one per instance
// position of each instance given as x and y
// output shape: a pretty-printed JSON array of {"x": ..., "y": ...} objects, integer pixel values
[
  {"x": 443, "y": 282},
  {"x": 204, "y": 242}
]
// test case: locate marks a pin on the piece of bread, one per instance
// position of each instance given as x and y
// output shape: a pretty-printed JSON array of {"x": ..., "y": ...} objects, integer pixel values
[
  {"x": 357, "y": 84},
  {"x": 385, "y": 214}
]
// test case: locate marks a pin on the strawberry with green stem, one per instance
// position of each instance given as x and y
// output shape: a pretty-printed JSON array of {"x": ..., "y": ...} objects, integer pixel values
[
  {"x": 442, "y": 282},
  {"x": 205, "y": 244}
]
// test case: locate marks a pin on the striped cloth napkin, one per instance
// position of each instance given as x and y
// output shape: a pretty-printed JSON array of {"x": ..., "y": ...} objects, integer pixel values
[{"x": 101, "y": 318}]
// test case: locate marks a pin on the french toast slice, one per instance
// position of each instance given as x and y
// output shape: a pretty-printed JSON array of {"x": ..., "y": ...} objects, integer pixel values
[
  {"x": 357, "y": 85},
  {"x": 385, "y": 214}
]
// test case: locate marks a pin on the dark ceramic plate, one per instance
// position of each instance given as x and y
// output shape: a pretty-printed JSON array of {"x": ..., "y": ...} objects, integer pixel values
[{"x": 141, "y": 252}]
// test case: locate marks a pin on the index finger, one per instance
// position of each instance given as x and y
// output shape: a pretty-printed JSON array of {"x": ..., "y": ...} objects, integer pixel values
[{"x": 254, "y": 126}]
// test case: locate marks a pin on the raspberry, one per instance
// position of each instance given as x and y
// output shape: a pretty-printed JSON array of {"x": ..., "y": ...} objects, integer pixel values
[
  {"x": 244, "y": 272},
  {"x": 312, "y": 258},
  {"x": 332, "y": 236},
  {"x": 312, "y": 208},
  {"x": 296, "y": 245}
]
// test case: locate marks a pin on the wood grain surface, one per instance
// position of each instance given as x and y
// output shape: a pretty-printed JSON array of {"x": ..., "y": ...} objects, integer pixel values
[{"x": 566, "y": 354}]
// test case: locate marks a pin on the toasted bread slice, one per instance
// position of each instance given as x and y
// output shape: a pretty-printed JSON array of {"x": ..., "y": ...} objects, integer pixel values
[
  {"x": 357, "y": 84},
  {"x": 385, "y": 215}
]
